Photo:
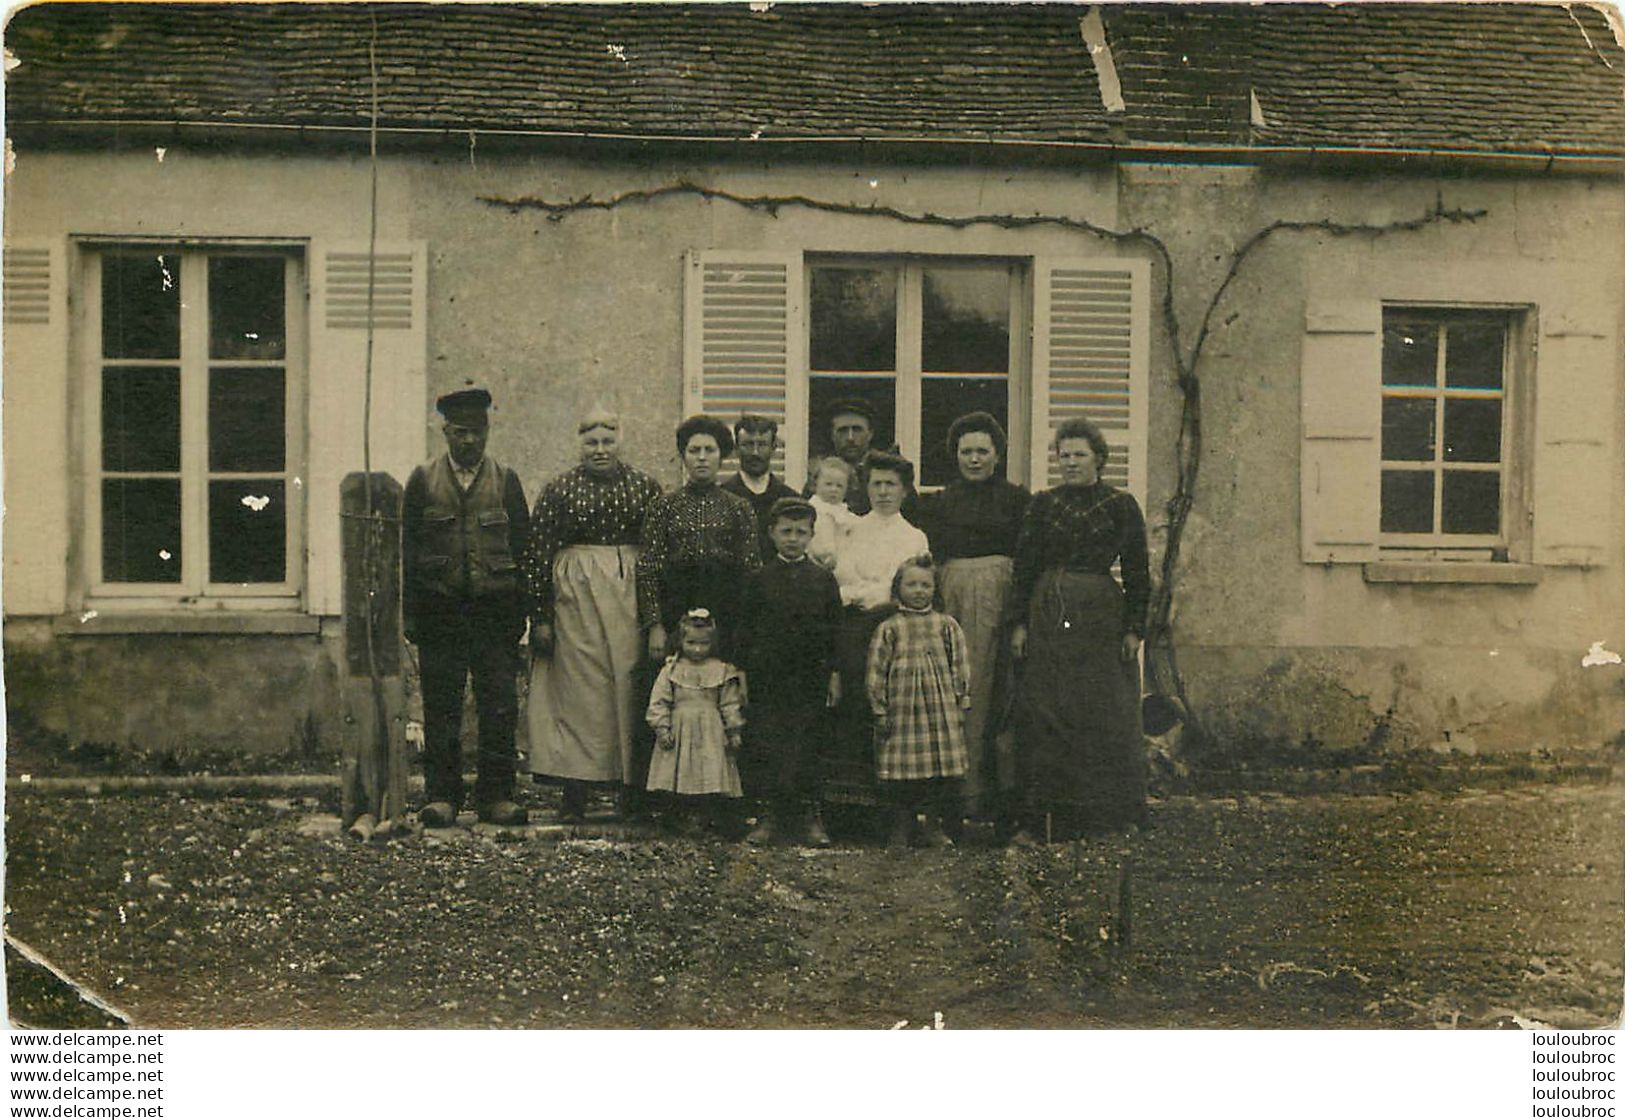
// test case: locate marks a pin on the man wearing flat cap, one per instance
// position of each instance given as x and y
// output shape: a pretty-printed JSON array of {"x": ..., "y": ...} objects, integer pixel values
[
  {"x": 464, "y": 525},
  {"x": 851, "y": 431}
]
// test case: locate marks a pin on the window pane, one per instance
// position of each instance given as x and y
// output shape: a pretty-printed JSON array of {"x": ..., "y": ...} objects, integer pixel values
[
  {"x": 1472, "y": 502},
  {"x": 1410, "y": 352},
  {"x": 944, "y": 400},
  {"x": 1407, "y": 429},
  {"x": 1475, "y": 355},
  {"x": 854, "y": 319},
  {"x": 247, "y": 420},
  {"x": 880, "y": 394},
  {"x": 1472, "y": 431},
  {"x": 248, "y": 531},
  {"x": 141, "y": 530},
  {"x": 141, "y": 306},
  {"x": 965, "y": 317},
  {"x": 141, "y": 418},
  {"x": 246, "y": 307},
  {"x": 1407, "y": 501}
]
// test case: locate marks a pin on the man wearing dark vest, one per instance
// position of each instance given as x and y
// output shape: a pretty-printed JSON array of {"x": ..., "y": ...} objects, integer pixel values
[
  {"x": 464, "y": 526},
  {"x": 755, "y": 437}
]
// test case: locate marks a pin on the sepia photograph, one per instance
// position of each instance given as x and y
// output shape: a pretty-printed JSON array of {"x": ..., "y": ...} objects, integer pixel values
[{"x": 833, "y": 516}]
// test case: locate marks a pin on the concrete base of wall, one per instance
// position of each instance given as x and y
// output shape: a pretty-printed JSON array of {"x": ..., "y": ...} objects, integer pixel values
[
  {"x": 281, "y": 695},
  {"x": 254, "y": 694},
  {"x": 1376, "y": 702}
]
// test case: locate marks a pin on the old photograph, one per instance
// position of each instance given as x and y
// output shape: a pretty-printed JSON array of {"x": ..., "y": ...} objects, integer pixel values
[{"x": 814, "y": 515}]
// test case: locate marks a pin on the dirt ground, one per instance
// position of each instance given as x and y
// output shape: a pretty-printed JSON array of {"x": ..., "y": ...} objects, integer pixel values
[{"x": 1469, "y": 909}]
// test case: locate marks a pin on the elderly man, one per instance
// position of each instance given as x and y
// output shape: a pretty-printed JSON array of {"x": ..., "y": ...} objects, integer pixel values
[
  {"x": 851, "y": 431},
  {"x": 464, "y": 523},
  {"x": 755, "y": 437},
  {"x": 579, "y": 576}
]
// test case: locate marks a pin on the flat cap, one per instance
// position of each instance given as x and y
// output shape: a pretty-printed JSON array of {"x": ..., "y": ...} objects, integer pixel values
[
  {"x": 854, "y": 406},
  {"x": 465, "y": 405}
]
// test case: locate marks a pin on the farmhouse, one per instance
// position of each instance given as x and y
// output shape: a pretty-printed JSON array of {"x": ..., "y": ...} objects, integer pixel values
[{"x": 1343, "y": 285}]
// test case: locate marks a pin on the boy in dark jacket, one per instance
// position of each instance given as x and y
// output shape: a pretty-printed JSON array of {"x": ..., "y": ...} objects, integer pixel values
[{"x": 789, "y": 616}]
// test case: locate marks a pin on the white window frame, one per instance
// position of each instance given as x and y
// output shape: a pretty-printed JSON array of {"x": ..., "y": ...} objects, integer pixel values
[
  {"x": 909, "y": 374},
  {"x": 1512, "y": 541},
  {"x": 195, "y": 591}
]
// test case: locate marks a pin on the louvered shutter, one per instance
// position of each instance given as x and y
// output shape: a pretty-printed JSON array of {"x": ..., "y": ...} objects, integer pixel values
[
  {"x": 1091, "y": 348},
  {"x": 1576, "y": 501},
  {"x": 338, "y": 350},
  {"x": 36, "y": 380},
  {"x": 744, "y": 344},
  {"x": 1340, "y": 454}
]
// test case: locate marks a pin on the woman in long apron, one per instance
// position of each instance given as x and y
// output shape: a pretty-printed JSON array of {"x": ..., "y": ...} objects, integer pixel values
[
  {"x": 583, "y": 713},
  {"x": 973, "y": 524}
]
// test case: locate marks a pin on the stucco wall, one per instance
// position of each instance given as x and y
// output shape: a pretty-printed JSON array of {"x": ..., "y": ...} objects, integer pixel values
[
  {"x": 556, "y": 316},
  {"x": 1283, "y": 652}
]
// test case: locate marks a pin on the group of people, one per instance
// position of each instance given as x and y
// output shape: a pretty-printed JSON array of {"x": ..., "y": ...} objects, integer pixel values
[{"x": 963, "y": 653}]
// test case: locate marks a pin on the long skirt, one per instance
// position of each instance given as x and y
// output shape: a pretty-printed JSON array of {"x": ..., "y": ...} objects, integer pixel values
[
  {"x": 1082, "y": 753},
  {"x": 974, "y": 591},
  {"x": 583, "y": 711},
  {"x": 849, "y": 767}
]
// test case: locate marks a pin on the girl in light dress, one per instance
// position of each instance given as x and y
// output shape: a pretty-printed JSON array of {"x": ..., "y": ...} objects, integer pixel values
[
  {"x": 697, "y": 712},
  {"x": 919, "y": 689},
  {"x": 830, "y": 477}
]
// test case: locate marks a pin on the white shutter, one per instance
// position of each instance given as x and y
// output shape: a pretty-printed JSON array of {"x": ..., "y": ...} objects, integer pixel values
[
  {"x": 1575, "y": 490},
  {"x": 338, "y": 351},
  {"x": 1340, "y": 459},
  {"x": 36, "y": 380},
  {"x": 744, "y": 344},
  {"x": 1091, "y": 350}
]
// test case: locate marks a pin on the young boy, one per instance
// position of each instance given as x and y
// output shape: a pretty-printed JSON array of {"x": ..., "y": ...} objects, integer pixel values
[{"x": 789, "y": 615}]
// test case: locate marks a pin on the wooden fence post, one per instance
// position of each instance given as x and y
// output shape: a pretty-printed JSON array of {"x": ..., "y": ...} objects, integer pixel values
[{"x": 374, "y": 764}]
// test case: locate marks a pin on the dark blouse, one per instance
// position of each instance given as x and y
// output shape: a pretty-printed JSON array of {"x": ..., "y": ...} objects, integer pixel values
[
  {"x": 693, "y": 526},
  {"x": 1084, "y": 529},
  {"x": 969, "y": 519},
  {"x": 579, "y": 507}
]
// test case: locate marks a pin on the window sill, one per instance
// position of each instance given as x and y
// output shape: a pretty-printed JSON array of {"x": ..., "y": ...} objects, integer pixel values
[
  {"x": 185, "y": 622},
  {"x": 1450, "y": 571}
]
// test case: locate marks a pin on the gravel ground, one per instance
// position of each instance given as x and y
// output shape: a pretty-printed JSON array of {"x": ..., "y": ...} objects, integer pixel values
[{"x": 1470, "y": 909}]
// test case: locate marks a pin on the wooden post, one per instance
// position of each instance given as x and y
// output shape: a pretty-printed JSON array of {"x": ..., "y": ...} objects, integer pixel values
[{"x": 374, "y": 763}]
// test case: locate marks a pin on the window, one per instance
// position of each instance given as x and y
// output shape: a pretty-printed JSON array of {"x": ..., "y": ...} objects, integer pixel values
[
  {"x": 923, "y": 339},
  {"x": 1445, "y": 427},
  {"x": 193, "y": 411},
  {"x": 922, "y": 342}
]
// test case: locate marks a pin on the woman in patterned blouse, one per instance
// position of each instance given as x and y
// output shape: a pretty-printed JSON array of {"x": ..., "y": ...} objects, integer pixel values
[
  {"x": 698, "y": 543},
  {"x": 1078, "y": 633},
  {"x": 584, "y": 634}
]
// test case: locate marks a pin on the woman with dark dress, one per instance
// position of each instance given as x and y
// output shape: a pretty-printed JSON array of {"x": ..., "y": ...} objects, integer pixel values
[
  {"x": 1077, "y": 634},
  {"x": 973, "y": 524},
  {"x": 698, "y": 543}
]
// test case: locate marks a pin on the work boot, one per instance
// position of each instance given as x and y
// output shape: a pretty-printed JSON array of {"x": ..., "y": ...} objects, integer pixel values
[
  {"x": 763, "y": 833},
  {"x": 573, "y": 809},
  {"x": 438, "y": 814},
  {"x": 504, "y": 813},
  {"x": 817, "y": 836},
  {"x": 932, "y": 835},
  {"x": 902, "y": 830}
]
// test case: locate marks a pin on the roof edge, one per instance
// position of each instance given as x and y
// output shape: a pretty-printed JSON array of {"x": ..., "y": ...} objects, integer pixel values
[{"x": 81, "y": 131}]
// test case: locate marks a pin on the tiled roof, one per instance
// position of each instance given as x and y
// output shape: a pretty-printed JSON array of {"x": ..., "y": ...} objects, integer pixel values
[
  {"x": 1475, "y": 77},
  {"x": 662, "y": 70}
]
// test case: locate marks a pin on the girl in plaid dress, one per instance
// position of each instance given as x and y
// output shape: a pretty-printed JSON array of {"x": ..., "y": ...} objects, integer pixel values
[{"x": 919, "y": 689}]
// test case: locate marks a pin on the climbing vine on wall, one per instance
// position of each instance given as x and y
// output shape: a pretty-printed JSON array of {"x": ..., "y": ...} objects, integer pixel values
[{"x": 1162, "y": 659}]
